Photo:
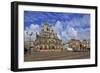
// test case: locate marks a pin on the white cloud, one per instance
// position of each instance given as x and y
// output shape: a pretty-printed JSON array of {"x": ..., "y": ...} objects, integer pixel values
[
  {"x": 33, "y": 28},
  {"x": 69, "y": 33},
  {"x": 64, "y": 31},
  {"x": 58, "y": 27},
  {"x": 65, "y": 36},
  {"x": 78, "y": 28},
  {"x": 84, "y": 34},
  {"x": 72, "y": 32},
  {"x": 59, "y": 36}
]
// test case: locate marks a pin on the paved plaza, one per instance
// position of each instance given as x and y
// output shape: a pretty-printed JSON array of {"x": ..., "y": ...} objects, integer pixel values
[{"x": 55, "y": 55}]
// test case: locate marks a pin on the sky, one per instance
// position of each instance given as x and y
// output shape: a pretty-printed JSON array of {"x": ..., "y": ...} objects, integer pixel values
[{"x": 66, "y": 25}]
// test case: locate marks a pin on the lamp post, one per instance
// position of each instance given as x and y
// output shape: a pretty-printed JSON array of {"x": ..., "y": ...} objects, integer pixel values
[{"x": 30, "y": 34}]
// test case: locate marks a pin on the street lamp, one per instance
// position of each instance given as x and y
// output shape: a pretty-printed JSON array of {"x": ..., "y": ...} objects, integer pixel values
[{"x": 30, "y": 34}]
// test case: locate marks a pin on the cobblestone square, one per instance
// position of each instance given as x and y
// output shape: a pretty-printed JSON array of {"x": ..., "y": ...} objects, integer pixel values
[{"x": 64, "y": 55}]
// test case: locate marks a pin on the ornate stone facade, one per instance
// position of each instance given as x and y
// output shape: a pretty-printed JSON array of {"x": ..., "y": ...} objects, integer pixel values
[
  {"x": 85, "y": 46},
  {"x": 75, "y": 44},
  {"x": 47, "y": 40},
  {"x": 79, "y": 45}
]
